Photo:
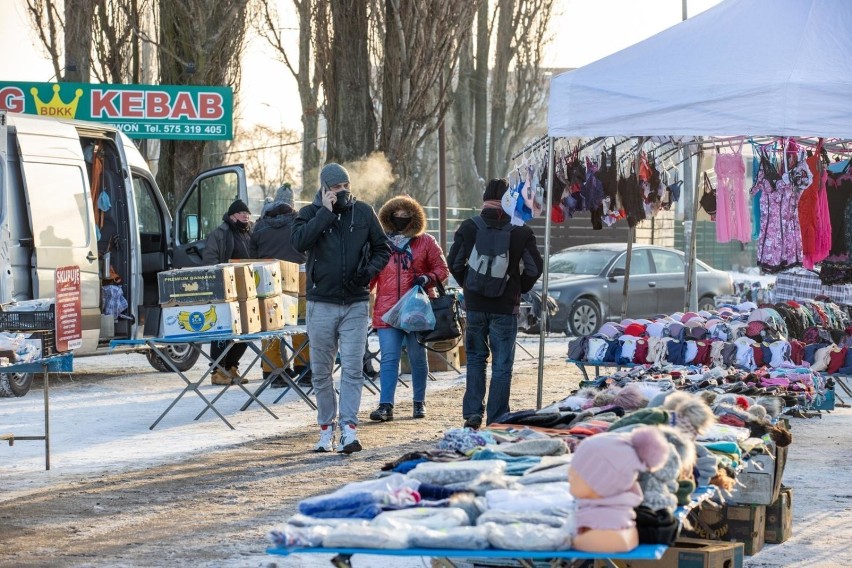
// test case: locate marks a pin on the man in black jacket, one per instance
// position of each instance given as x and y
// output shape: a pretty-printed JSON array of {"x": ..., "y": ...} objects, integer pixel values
[
  {"x": 230, "y": 240},
  {"x": 492, "y": 322},
  {"x": 346, "y": 248},
  {"x": 272, "y": 238}
]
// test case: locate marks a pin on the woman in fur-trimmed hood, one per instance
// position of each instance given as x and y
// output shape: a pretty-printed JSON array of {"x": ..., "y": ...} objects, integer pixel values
[{"x": 416, "y": 260}]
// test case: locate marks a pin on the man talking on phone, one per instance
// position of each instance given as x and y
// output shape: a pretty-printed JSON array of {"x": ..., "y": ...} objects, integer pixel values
[{"x": 346, "y": 248}]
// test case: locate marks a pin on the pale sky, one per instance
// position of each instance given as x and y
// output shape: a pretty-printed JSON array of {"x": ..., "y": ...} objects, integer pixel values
[{"x": 585, "y": 31}]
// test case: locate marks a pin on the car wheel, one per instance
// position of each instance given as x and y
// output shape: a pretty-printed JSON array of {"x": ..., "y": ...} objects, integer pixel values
[
  {"x": 584, "y": 318},
  {"x": 707, "y": 303},
  {"x": 15, "y": 384},
  {"x": 183, "y": 357}
]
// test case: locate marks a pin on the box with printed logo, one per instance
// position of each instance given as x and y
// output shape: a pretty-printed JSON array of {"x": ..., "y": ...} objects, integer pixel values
[
  {"x": 221, "y": 317},
  {"x": 198, "y": 285}
]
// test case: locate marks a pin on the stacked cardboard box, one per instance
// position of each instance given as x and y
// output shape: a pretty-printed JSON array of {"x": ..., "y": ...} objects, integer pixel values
[
  {"x": 274, "y": 282},
  {"x": 779, "y": 518},
  {"x": 198, "y": 301}
]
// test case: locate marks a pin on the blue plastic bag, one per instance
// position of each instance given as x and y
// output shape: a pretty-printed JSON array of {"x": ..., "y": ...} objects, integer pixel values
[{"x": 413, "y": 312}]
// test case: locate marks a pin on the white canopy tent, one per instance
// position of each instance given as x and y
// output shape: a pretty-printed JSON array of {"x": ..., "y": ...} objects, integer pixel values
[{"x": 743, "y": 67}]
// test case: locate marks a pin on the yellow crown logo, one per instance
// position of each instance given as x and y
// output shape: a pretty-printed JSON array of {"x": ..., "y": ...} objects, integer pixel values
[{"x": 56, "y": 107}]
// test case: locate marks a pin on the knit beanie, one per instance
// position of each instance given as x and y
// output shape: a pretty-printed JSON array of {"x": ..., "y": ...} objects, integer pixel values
[
  {"x": 610, "y": 462},
  {"x": 333, "y": 174},
  {"x": 495, "y": 189},
  {"x": 238, "y": 206},
  {"x": 285, "y": 194}
]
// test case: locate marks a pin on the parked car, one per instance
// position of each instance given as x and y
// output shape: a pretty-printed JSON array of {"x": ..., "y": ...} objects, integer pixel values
[{"x": 588, "y": 282}]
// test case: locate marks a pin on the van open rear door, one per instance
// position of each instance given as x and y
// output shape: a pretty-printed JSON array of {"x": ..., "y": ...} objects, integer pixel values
[
  {"x": 60, "y": 213},
  {"x": 201, "y": 210}
]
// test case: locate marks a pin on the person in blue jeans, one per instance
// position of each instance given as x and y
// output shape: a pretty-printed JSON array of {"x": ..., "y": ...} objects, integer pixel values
[
  {"x": 492, "y": 320},
  {"x": 416, "y": 260}
]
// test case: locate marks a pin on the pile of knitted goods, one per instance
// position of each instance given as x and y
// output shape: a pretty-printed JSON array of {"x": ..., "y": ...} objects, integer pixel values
[{"x": 506, "y": 487}]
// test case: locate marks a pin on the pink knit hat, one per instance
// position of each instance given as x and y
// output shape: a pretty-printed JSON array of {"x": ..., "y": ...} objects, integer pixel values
[{"x": 610, "y": 462}]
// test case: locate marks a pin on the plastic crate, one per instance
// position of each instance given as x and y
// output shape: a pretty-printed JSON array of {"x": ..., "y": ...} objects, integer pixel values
[{"x": 23, "y": 321}]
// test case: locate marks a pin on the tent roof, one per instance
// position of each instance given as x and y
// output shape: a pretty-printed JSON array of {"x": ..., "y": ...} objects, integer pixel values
[{"x": 743, "y": 67}]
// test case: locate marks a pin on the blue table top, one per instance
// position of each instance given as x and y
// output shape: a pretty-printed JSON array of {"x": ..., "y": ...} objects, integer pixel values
[
  {"x": 63, "y": 362},
  {"x": 641, "y": 552},
  {"x": 208, "y": 337}
]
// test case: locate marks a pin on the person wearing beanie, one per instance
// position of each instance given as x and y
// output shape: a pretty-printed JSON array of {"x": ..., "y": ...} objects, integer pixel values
[
  {"x": 416, "y": 260},
  {"x": 346, "y": 248},
  {"x": 492, "y": 316},
  {"x": 603, "y": 480},
  {"x": 230, "y": 240},
  {"x": 271, "y": 238}
]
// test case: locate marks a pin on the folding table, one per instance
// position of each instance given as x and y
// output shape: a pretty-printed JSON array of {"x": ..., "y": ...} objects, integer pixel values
[
  {"x": 54, "y": 364},
  {"x": 197, "y": 342},
  {"x": 597, "y": 365},
  {"x": 522, "y": 557}
]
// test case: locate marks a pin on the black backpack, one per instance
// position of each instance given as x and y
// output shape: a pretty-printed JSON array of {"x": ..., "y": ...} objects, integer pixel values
[{"x": 488, "y": 263}]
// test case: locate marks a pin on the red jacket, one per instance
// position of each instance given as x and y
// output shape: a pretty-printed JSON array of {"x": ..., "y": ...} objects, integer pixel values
[{"x": 397, "y": 276}]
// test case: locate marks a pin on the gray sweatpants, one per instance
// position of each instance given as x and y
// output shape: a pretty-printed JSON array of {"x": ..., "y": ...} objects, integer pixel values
[{"x": 332, "y": 327}]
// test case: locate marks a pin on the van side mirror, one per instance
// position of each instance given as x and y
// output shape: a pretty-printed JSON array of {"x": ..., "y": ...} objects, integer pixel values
[
  {"x": 616, "y": 272},
  {"x": 190, "y": 223}
]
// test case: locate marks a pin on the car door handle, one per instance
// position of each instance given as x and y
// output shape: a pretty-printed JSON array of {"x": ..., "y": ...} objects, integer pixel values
[
  {"x": 652, "y": 284},
  {"x": 91, "y": 257}
]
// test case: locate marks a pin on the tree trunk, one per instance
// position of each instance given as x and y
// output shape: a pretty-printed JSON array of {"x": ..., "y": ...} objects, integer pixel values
[
  {"x": 499, "y": 82},
  {"x": 308, "y": 93},
  {"x": 479, "y": 91},
  {"x": 349, "y": 110},
  {"x": 78, "y": 40},
  {"x": 469, "y": 186}
]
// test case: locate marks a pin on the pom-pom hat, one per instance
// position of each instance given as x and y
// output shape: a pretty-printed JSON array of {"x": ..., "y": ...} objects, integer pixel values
[{"x": 610, "y": 462}]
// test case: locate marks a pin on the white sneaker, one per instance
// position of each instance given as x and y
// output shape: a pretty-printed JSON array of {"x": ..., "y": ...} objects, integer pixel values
[
  {"x": 326, "y": 441},
  {"x": 348, "y": 442}
]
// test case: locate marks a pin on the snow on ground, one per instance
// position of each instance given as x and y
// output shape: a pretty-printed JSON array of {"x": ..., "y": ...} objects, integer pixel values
[{"x": 101, "y": 414}]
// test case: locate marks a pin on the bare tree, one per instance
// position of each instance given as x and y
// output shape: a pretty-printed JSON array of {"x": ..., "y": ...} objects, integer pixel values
[
  {"x": 117, "y": 39},
  {"x": 269, "y": 156},
  {"x": 462, "y": 142},
  {"x": 304, "y": 71},
  {"x": 201, "y": 42},
  {"x": 49, "y": 24}
]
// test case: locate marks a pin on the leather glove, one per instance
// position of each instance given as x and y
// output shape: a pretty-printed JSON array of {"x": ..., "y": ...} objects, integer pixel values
[
  {"x": 361, "y": 279},
  {"x": 421, "y": 280}
]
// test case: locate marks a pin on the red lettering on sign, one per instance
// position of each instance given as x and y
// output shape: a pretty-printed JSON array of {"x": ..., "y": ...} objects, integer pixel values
[
  {"x": 184, "y": 107},
  {"x": 103, "y": 104},
  {"x": 12, "y": 99},
  {"x": 131, "y": 104},
  {"x": 157, "y": 104},
  {"x": 210, "y": 106}
]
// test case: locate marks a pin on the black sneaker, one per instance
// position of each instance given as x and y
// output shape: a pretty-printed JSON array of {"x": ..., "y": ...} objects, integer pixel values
[
  {"x": 278, "y": 383},
  {"x": 474, "y": 422},
  {"x": 419, "y": 410},
  {"x": 384, "y": 413}
]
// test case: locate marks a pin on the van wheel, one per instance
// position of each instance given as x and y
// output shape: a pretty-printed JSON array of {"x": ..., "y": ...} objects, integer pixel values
[
  {"x": 15, "y": 384},
  {"x": 183, "y": 357}
]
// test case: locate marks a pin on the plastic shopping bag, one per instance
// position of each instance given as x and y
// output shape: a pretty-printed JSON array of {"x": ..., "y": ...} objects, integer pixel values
[{"x": 413, "y": 312}]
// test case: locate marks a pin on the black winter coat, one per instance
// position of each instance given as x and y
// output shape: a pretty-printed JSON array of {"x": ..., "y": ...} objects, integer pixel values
[
  {"x": 522, "y": 246},
  {"x": 345, "y": 251},
  {"x": 272, "y": 237}
]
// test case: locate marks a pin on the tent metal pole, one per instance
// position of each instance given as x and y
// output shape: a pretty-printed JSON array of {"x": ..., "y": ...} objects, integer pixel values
[
  {"x": 631, "y": 236},
  {"x": 691, "y": 295},
  {"x": 546, "y": 274}
]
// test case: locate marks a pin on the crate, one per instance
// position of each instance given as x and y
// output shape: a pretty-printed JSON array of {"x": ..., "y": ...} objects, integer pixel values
[
  {"x": 41, "y": 324},
  {"x": 25, "y": 321}
]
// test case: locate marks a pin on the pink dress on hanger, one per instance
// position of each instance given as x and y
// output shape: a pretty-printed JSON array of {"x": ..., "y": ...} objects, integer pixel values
[
  {"x": 733, "y": 220},
  {"x": 814, "y": 218}
]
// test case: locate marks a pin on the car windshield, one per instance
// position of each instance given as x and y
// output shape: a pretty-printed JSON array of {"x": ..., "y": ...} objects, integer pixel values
[{"x": 583, "y": 261}]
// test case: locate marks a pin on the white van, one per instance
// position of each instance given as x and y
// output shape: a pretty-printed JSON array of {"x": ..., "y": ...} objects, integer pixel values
[{"x": 80, "y": 193}]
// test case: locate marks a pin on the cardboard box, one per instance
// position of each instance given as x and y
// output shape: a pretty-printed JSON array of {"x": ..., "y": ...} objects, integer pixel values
[
  {"x": 199, "y": 285},
  {"x": 289, "y": 277},
  {"x": 779, "y": 518},
  {"x": 439, "y": 362},
  {"x": 244, "y": 276},
  {"x": 303, "y": 281},
  {"x": 690, "y": 553},
  {"x": 221, "y": 317},
  {"x": 278, "y": 311},
  {"x": 740, "y": 523},
  {"x": 760, "y": 482},
  {"x": 462, "y": 353},
  {"x": 272, "y": 313},
  {"x": 267, "y": 278},
  {"x": 302, "y": 310},
  {"x": 250, "y": 319}
]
